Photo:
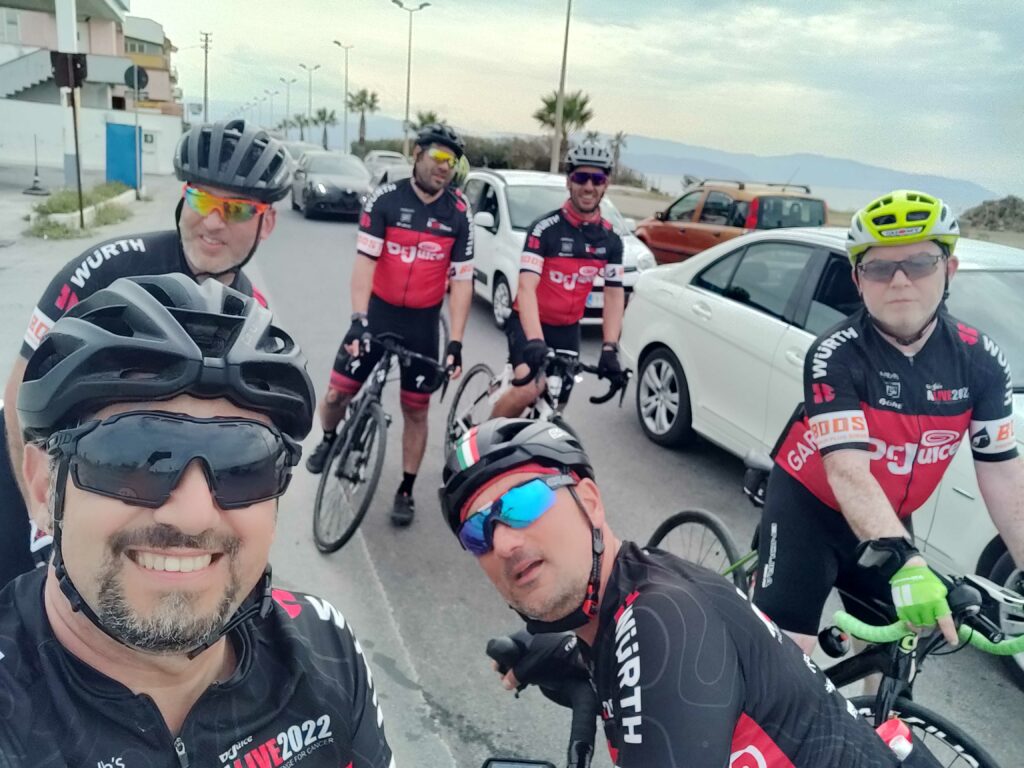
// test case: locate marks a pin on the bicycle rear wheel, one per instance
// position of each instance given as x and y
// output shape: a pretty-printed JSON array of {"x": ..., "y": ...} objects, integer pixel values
[
  {"x": 349, "y": 479},
  {"x": 701, "y": 538},
  {"x": 950, "y": 746},
  {"x": 471, "y": 404}
]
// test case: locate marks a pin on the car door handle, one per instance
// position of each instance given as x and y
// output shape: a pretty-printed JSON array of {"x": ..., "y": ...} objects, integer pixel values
[
  {"x": 795, "y": 356},
  {"x": 701, "y": 310}
]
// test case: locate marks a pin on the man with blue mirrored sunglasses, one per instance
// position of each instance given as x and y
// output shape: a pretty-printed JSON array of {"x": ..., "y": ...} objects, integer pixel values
[{"x": 688, "y": 671}]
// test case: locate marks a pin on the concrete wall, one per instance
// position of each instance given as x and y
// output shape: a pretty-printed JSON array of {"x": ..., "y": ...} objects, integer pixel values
[
  {"x": 93, "y": 96},
  {"x": 38, "y": 29},
  {"x": 22, "y": 119}
]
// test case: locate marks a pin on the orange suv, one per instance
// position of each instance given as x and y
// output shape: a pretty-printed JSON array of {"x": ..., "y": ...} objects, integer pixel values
[{"x": 715, "y": 210}]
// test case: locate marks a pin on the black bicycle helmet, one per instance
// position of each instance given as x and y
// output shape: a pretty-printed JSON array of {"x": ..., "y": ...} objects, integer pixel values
[
  {"x": 589, "y": 153},
  {"x": 439, "y": 133},
  {"x": 236, "y": 156},
  {"x": 498, "y": 446},
  {"x": 156, "y": 337}
]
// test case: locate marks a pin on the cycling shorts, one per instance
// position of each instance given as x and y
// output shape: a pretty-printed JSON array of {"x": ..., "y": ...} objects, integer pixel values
[
  {"x": 419, "y": 331},
  {"x": 804, "y": 549},
  {"x": 565, "y": 337}
]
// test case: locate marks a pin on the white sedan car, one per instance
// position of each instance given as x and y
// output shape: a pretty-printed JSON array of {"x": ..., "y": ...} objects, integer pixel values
[
  {"x": 504, "y": 204},
  {"x": 718, "y": 342}
]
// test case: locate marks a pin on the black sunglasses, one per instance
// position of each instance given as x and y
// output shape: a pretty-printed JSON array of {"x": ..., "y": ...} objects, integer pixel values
[
  {"x": 917, "y": 266},
  {"x": 582, "y": 177},
  {"x": 140, "y": 456}
]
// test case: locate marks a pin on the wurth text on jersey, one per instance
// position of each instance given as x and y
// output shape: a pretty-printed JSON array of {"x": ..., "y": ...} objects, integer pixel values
[{"x": 627, "y": 652}]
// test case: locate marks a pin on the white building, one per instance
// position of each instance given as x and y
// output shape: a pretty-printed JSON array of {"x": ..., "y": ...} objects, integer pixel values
[{"x": 30, "y": 101}]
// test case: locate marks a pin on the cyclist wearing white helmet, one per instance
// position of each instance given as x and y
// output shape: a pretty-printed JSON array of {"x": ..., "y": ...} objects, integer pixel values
[
  {"x": 233, "y": 172},
  {"x": 888, "y": 395},
  {"x": 565, "y": 251}
]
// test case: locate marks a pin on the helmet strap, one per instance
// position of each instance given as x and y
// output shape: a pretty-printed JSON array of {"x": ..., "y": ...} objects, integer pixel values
[
  {"x": 256, "y": 606},
  {"x": 591, "y": 597}
]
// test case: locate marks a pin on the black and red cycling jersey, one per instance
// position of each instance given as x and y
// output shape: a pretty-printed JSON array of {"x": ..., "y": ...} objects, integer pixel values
[
  {"x": 909, "y": 413},
  {"x": 567, "y": 253},
  {"x": 155, "y": 253},
  {"x": 418, "y": 246},
  {"x": 691, "y": 674},
  {"x": 301, "y": 694}
]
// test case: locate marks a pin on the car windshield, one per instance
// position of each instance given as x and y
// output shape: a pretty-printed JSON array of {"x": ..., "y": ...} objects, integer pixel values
[
  {"x": 339, "y": 164},
  {"x": 526, "y": 204},
  {"x": 775, "y": 212},
  {"x": 992, "y": 301}
]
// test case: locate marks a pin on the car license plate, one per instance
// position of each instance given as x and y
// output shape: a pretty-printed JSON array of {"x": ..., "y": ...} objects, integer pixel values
[{"x": 595, "y": 300}]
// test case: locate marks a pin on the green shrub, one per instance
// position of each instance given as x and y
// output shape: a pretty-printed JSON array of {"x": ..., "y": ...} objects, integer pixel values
[
  {"x": 66, "y": 200},
  {"x": 111, "y": 213},
  {"x": 48, "y": 229}
]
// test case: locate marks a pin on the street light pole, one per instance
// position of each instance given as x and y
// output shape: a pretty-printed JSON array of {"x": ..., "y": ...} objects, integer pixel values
[
  {"x": 309, "y": 92},
  {"x": 271, "y": 94},
  {"x": 288, "y": 94},
  {"x": 556, "y": 140},
  {"x": 408, "y": 72},
  {"x": 344, "y": 125}
]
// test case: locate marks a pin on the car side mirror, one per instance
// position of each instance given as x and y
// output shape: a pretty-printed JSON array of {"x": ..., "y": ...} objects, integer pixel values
[
  {"x": 299, "y": 172},
  {"x": 630, "y": 224},
  {"x": 484, "y": 219},
  {"x": 660, "y": 215}
]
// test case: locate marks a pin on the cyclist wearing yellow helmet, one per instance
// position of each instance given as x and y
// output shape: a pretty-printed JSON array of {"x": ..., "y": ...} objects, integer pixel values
[{"x": 888, "y": 395}]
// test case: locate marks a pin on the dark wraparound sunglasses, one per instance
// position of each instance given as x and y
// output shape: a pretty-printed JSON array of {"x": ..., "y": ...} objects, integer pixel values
[
  {"x": 917, "y": 266},
  {"x": 582, "y": 177},
  {"x": 139, "y": 457}
]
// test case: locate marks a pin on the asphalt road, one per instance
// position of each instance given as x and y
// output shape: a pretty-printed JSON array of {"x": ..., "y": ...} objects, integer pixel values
[{"x": 422, "y": 608}]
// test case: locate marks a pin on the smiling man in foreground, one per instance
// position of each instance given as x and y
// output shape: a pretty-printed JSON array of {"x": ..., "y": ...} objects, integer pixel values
[{"x": 161, "y": 421}]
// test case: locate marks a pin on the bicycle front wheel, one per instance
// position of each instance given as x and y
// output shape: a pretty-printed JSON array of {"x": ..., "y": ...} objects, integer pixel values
[
  {"x": 471, "y": 404},
  {"x": 949, "y": 745},
  {"x": 701, "y": 538},
  {"x": 349, "y": 479}
]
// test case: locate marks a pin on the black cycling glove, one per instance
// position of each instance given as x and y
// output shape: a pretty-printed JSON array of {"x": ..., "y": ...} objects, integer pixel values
[
  {"x": 534, "y": 353},
  {"x": 454, "y": 351},
  {"x": 356, "y": 330},
  {"x": 608, "y": 366}
]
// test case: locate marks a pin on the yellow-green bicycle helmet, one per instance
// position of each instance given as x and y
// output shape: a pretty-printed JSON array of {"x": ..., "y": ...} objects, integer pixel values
[
  {"x": 460, "y": 173},
  {"x": 900, "y": 217}
]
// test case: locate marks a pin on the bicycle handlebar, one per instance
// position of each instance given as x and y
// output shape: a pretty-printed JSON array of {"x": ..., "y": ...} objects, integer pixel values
[
  {"x": 892, "y": 633},
  {"x": 617, "y": 384}
]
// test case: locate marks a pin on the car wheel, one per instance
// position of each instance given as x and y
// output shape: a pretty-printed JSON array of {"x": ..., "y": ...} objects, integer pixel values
[
  {"x": 501, "y": 301},
  {"x": 295, "y": 206},
  {"x": 663, "y": 399},
  {"x": 1007, "y": 575}
]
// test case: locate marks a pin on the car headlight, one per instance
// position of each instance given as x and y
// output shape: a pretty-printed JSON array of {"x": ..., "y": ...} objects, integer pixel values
[
  {"x": 645, "y": 261},
  {"x": 321, "y": 189}
]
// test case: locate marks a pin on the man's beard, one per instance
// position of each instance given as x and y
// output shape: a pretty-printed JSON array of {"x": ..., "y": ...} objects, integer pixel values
[
  {"x": 557, "y": 606},
  {"x": 425, "y": 181},
  {"x": 173, "y": 627}
]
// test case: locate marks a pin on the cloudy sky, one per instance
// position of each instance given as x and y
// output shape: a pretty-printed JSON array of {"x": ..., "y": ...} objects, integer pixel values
[{"x": 921, "y": 86}]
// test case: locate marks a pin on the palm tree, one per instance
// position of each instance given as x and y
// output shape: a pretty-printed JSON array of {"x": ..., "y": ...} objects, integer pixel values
[
  {"x": 576, "y": 113},
  {"x": 301, "y": 122},
  {"x": 363, "y": 101},
  {"x": 325, "y": 117},
  {"x": 285, "y": 126},
  {"x": 424, "y": 119},
  {"x": 592, "y": 136},
  {"x": 618, "y": 143}
]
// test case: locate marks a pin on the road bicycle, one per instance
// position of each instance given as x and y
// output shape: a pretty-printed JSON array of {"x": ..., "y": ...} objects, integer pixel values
[
  {"x": 894, "y": 652},
  {"x": 356, "y": 457},
  {"x": 480, "y": 389}
]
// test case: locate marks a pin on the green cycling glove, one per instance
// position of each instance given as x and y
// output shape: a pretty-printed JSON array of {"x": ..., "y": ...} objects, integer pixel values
[{"x": 919, "y": 595}]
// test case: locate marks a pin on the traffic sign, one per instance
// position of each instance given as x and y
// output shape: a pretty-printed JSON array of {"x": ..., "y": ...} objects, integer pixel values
[{"x": 130, "y": 75}]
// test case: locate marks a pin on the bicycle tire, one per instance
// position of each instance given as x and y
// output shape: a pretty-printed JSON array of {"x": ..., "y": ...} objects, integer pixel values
[
  {"x": 456, "y": 423},
  {"x": 716, "y": 552},
  {"x": 949, "y": 745},
  {"x": 371, "y": 426}
]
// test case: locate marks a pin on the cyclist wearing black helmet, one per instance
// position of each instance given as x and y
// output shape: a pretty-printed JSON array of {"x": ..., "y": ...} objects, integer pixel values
[
  {"x": 565, "y": 251},
  {"x": 233, "y": 173},
  {"x": 163, "y": 420},
  {"x": 415, "y": 235},
  {"x": 687, "y": 670}
]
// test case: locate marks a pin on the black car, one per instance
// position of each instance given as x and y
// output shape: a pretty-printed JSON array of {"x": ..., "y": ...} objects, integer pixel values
[{"x": 329, "y": 182}]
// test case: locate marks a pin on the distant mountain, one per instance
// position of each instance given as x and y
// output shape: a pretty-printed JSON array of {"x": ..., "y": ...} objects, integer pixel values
[{"x": 845, "y": 184}]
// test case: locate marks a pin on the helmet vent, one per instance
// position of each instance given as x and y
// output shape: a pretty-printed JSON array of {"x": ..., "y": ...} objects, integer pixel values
[
  {"x": 917, "y": 216},
  {"x": 884, "y": 220},
  {"x": 111, "y": 319}
]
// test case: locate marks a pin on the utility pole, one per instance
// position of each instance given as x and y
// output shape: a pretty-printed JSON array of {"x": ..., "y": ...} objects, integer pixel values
[
  {"x": 344, "y": 125},
  {"x": 556, "y": 140},
  {"x": 309, "y": 92},
  {"x": 408, "y": 72},
  {"x": 206, "y": 75}
]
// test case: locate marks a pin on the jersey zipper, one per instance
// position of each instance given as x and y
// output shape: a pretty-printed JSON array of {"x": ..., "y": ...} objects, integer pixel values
[{"x": 179, "y": 749}]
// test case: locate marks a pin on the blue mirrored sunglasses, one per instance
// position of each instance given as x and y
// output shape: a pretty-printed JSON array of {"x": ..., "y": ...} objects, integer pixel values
[{"x": 518, "y": 507}]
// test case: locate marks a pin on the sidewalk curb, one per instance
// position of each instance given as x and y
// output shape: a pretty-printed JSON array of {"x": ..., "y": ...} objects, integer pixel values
[{"x": 71, "y": 219}]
